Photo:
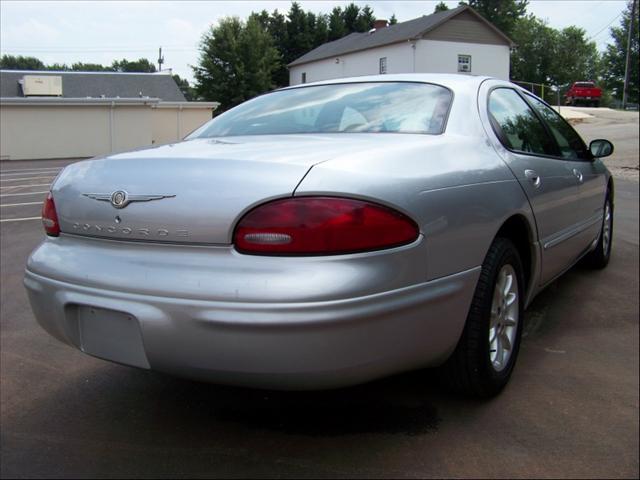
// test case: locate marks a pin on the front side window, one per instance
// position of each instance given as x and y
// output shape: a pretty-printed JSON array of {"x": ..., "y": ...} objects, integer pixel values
[
  {"x": 464, "y": 63},
  {"x": 516, "y": 125},
  {"x": 383, "y": 65},
  {"x": 371, "y": 107},
  {"x": 570, "y": 143}
]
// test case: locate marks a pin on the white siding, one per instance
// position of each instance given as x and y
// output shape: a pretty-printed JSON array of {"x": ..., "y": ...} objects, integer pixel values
[
  {"x": 434, "y": 56},
  {"x": 173, "y": 124},
  {"x": 65, "y": 131},
  {"x": 431, "y": 56},
  {"x": 32, "y": 132},
  {"x": 367, "y": 62}
]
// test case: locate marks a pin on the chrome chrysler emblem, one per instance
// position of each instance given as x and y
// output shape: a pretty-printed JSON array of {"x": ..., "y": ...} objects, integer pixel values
[{"x": 120, "y": 198}]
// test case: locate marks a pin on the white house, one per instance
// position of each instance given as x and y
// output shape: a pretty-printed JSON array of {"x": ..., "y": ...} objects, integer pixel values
[{"x": 453, "y": 41}]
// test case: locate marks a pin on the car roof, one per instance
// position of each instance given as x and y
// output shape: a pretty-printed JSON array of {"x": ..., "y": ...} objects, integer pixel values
[{"x": 450, "y": 80}]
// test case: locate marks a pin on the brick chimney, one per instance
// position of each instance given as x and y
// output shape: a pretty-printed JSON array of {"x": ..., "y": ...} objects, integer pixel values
[{"x": 380, "y": 24}]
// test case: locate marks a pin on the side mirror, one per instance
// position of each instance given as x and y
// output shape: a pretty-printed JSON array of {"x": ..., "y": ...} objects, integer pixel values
[{"x": 601, "y": 148}]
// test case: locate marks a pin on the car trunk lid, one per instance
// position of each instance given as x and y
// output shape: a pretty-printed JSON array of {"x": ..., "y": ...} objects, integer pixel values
[{"x": 191, "y": 192}]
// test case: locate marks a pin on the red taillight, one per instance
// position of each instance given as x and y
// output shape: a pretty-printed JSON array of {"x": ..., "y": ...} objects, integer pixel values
[
  {"x": 50, "y": 217},
  {"x": 322, "y": 226}
]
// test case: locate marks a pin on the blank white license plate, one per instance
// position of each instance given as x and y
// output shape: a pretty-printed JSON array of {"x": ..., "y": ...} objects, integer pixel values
[{"x": 111, "y": 335}]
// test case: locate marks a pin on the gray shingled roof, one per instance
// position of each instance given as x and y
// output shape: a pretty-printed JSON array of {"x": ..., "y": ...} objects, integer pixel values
[
  {"x": 399, "y": 32},
  {"x": 96, "y": 84}
]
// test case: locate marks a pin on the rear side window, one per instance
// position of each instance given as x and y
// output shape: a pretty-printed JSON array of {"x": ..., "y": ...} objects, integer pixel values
[
  {"x": 516, "y": 125},
  {"x": 571, "y": 145}
]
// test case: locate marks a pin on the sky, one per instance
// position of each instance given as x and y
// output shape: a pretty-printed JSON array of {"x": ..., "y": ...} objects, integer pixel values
[{"x": 102, "y": 31}]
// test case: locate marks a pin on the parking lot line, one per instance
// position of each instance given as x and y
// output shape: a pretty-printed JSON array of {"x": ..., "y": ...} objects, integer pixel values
[
  {"x": 25, "y": 178},
  {"x": 25, "y": 170},
  {"x": 25, "y": 193},
  {"x": 20, "y": 219},
  {"x": 30, "y": 174},
  {"x": 19, "y": 204},
  {"x": 25, "y": 186}
]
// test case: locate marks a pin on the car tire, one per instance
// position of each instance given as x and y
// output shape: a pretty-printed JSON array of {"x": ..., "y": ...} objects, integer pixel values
[
  {"x": 473, "y": 369},
  {"x": 599, "y": 257}
]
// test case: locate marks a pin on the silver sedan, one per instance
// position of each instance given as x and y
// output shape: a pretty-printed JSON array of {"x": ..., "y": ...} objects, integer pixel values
[{"x": 327, "y": 234}]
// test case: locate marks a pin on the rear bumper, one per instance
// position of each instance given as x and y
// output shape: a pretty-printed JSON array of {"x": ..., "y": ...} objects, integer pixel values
[{"x": 298, "y": 344}]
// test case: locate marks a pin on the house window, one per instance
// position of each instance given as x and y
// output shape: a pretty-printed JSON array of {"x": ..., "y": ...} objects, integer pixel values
[
  {"x": 464, "y": 63},
  {"x": 304, "y": 77},
  {"x": 383, "y": 65}
]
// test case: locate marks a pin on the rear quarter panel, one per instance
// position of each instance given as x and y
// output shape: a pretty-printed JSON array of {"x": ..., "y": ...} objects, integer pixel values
[{"x": 456, "y": 188}]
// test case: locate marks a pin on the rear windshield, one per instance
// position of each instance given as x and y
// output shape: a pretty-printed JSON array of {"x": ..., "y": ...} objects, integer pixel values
[
  {"x": 585, "y": 84},
  {"x": 393, "y": 107}
]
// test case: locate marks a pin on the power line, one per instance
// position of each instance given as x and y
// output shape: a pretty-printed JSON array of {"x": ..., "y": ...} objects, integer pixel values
[
  {"x": 98, "y": 50},
  {"x": 109, "y": 46},
  {"x": 606, "y": 26},
  {"x": 592, "y": 7}
]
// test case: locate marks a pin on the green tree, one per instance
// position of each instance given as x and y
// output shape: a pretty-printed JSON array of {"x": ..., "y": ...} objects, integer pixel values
[
  {"x": 504, "y": 14},
  {"x": 141, "y": 65},
  {"x": 393, "y": 20},
  {"x": 311, "y": 28},
  {"x": 441, "y": 7},
  {"x": 533, "y": 58},
  {"x": 337, "y": 28},
  {"x": 12, "y": 62},
  {"x": 321, "y": 33},
  {"x": 350, "y": 16},
  {"x": 263, "y": 18},
  {"x": 299, "y": 37},
  {"x": 185, "y": 88},
  {"x": 614, "y": 58},
  {"x": 365, "y": 20},
  {"x": 575, "y": 58},
  {"x": 277, "y": 29},
  {"x": 237, "y": 62},
  {"x": 89, "y": 67},
  {"x": 58, "y": 67}
]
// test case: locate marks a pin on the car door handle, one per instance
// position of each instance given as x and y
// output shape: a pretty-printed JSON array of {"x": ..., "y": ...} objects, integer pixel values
[
  {"x": 578, "y": 174},
  {"x": 533, "y": 177}
]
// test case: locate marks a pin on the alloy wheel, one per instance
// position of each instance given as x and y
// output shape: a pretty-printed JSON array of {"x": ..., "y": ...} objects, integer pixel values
[
  {"x": 504, "y": 318},
  {"x": 606, "y": 228}
]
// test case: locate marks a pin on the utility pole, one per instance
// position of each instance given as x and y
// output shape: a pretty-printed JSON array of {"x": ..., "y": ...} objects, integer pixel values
[
  {"x": 161, "y": 58},
  {"x": 627, "y": 68}
]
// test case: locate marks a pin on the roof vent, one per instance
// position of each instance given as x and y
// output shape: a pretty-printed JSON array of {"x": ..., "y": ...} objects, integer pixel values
[{"x": 42, "y": 85}]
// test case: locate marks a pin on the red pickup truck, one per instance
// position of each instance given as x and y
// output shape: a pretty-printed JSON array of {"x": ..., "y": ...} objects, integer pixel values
[{"x": 583, "y": 93}]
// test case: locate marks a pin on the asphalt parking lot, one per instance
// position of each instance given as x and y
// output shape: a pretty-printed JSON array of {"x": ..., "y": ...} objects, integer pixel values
[{"x": 571, "y": 409}]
